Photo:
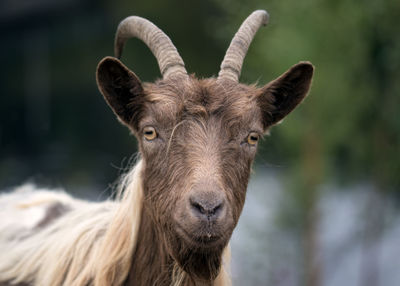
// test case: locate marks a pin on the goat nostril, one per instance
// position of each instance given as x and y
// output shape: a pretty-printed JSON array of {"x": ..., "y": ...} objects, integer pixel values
[
  {"x": 198, "y": 207},
  {"x": 216, "y": 209}
]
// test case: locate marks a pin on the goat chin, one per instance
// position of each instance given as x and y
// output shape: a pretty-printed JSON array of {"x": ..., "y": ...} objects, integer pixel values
[
  {"x": 205, "y": 265},
  {"x": 201, "y": 261}
]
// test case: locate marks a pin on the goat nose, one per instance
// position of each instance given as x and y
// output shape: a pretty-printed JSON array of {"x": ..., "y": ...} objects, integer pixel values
[{"x": 205, "y": 209}]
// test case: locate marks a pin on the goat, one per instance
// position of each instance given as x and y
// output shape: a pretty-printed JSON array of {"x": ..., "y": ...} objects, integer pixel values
[{"x": 176, "y": 209}]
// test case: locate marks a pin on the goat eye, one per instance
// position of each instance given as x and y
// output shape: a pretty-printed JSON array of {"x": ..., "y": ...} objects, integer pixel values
[
  {"x": 149, "y": 133},
  {"x": 253, "y": 137}
]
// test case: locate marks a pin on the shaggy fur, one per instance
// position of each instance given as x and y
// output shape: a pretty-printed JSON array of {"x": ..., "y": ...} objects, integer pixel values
[{"x": 102, "y": 238}]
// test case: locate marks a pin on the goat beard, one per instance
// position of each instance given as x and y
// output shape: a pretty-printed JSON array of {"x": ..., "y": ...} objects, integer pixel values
[{"x": 198, "y": 262}]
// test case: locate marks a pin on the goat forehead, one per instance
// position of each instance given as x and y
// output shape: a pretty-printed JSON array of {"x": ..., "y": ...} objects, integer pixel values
[
  {"x": 215, "y": 97},
  {"x": 174, "y": 102}
]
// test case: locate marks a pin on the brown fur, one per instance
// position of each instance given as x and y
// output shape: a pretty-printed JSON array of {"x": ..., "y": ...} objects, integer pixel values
[
  {"x": 203, "y": 147},
  {"x": 200, "y": 151}
]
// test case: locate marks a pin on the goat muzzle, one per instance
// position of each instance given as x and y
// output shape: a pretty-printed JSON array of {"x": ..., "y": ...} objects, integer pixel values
[{"x": 203, "y": 215}]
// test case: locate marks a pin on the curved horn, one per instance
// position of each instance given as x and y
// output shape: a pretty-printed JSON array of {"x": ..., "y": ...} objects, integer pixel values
[
  {"x": 233, "y": 60},
  {"x": 168, "y": 58}
]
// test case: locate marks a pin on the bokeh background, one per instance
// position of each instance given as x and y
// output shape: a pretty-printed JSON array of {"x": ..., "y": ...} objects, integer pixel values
[{"x": 323, "y": 206}]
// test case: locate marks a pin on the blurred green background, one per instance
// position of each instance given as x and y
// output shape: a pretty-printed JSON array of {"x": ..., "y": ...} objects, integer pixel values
[{"x": 331, "y": 213}]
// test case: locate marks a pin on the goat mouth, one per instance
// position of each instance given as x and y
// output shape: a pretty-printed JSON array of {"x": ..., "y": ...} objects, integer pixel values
[{"x": 203, "y": 239}]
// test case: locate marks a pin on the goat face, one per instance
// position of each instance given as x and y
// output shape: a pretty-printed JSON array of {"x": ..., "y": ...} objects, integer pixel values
[
  {"x": 198, "y": 139},
  {"x": 197, "y": 166}
]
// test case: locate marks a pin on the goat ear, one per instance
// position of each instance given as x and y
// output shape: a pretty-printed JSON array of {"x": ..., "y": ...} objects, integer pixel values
[
  {"x": 282, "y": 95},
  {"x": 121, "y": 89}
]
